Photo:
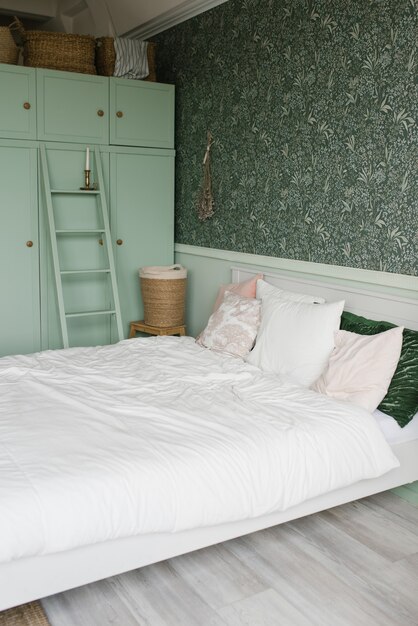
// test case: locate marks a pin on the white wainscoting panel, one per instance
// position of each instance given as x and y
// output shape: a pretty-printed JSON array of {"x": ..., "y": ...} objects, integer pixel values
[
  {"x": 372, "y": 304},
  {"x": 393, "y": 295}
]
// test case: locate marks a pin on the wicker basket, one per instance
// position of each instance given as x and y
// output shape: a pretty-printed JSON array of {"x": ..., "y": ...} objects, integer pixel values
[
  {"x": 56, "y": 51},
  {"x": 164, "y": 295},
  {"x": 106, "y": 58},
  {"x": 9, "y": 52}
]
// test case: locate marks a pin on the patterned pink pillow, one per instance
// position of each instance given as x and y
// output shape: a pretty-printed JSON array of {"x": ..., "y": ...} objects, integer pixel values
[
  {"x": 247, "y": 289},
  {"x": 233, "y": 327}
]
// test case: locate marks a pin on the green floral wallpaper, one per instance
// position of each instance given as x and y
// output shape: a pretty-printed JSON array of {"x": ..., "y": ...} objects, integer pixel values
[{"x": 313, "y": 105}]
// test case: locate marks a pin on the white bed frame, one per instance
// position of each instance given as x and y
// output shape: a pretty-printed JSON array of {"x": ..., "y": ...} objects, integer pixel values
[{"x": 30, "y": 578}]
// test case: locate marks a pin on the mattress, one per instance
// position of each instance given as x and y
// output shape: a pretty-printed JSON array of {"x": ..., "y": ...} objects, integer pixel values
[
  {"x": 393, "y": 432},
  {"x": 162, "y": 435}
]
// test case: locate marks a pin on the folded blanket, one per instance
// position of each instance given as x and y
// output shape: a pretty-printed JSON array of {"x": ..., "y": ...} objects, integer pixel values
[{"x": 131, "y": 58}]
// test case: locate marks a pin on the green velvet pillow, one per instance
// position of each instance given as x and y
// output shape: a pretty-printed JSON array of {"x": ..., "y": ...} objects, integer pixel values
[{"x": 401, "y": 400}]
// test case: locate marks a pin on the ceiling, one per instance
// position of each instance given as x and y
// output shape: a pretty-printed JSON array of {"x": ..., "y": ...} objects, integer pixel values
[{"x": 103, "y": 17}]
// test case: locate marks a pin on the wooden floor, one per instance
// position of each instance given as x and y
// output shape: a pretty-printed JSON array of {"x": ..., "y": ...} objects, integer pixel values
[{"x": 353, "y": 565}]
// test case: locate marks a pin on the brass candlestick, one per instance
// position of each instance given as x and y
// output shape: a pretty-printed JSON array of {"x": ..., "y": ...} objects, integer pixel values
[{"x": 87, "y": 186}]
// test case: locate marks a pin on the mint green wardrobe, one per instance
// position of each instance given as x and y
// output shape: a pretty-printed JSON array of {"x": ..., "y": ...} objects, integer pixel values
[
  {"x": 72, "y": 107},
  {"x": 19, "y": 249},
  {"x": 17, "y": 102},
  {"x": 141, "y": 114},
  {"x": 141, "y": 222},
  {"x": 67, "y": 112}
]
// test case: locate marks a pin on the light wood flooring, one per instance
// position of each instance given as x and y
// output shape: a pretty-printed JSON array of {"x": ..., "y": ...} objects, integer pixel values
[{"x": 353, "y": 565}]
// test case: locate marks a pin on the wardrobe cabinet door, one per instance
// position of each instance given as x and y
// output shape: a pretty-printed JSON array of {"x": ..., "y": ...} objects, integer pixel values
[
  {"x": 142, "y": 212},
  {"x": 19, "y": 250},
  {"x": 72, "y": 107},
  {"x": 17, "y": 102},
  {"x": 142, "y": 113}
]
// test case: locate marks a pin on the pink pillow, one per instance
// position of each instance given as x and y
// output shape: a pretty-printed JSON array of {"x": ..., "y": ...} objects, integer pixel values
[
  {"x": 361, "y": 367},
  {"x": 247, "y": 289}
]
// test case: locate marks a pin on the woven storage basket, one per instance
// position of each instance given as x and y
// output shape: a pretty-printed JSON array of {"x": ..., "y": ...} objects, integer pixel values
[
  {"x": 9, "y": 52},
  {"x": 56, "y": 51},
  {"x": 164, "y": 295},
  {"x": 106, "y": 58}
]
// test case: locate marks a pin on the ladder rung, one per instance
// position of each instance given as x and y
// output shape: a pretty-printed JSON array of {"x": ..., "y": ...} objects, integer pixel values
[
  {"x": 79, "y": 231},
  {"x": 92, "y": 192},
  {"x": 87, "y": 313},
  {"x": 105, "y": 271}
]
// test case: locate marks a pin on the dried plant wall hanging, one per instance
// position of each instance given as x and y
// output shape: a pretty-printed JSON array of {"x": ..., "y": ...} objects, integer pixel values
[{"x": 205, "y": 203}]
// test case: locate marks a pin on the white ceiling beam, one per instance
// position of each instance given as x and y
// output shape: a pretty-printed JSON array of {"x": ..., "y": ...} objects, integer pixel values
[
  {"x": 176, "y": 15},
  {"x": 139, "y": 20},
  {"x": 39, "y": 10}
]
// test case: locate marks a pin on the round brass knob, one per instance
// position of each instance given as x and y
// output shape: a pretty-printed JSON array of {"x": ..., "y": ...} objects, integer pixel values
[
  {"x": 100, "y": 242},
  {"x": 119, "y": 114},
  {"x": 119, "y": 242},
  {"x": 100, "y": 113},
  {"x": 26, "y": 106},
  {"x": 29, "y": 244}
]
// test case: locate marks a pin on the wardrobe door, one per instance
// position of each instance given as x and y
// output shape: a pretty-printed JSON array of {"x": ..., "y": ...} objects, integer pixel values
[
  {"x": 142, "y": 219},
  {"x": 17, "y": 102},
  {"x": 72, "y": 107},
  {"x": 141, "y": 113},
  {"x": 19, "y": 250}
]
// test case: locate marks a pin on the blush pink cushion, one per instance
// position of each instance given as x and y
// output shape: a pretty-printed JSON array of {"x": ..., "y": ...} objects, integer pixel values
[
  {"x": 247, "y": 289},
  {"x": 233, "y": 327},
  {"x": 361, "y": 367}
]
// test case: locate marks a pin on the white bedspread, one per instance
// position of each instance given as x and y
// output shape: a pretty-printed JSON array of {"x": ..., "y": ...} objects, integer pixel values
[{"x": 160, "y": 434}]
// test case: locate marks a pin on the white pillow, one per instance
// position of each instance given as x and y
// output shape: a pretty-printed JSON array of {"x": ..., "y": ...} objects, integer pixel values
[
  {"x": 265, "y": 289},
  {"x": 295, "y": 339},
  {"x": 232, "y": 328},
  {"x": 361, "y": 367}
]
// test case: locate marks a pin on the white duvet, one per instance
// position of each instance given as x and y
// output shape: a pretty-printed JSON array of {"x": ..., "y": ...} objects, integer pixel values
[{"x": 161, "y": 435}]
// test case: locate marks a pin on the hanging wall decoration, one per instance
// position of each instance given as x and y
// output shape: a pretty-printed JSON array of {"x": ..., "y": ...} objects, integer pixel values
[{"x": 205, "y": 203}]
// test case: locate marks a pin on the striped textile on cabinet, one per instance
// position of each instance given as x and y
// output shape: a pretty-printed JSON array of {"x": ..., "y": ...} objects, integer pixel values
[{"x": 131, "y": 58}]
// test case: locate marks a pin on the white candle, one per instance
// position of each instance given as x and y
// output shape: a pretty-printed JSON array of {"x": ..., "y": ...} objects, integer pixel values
[{"x": 88, "y": 159}]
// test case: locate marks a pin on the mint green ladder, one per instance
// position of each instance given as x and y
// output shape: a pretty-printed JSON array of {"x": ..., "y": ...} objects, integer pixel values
[{"x": 104, "y": 231}]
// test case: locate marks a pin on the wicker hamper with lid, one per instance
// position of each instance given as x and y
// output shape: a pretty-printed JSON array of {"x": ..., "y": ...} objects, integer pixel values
[{"x": 164, "y": 295}]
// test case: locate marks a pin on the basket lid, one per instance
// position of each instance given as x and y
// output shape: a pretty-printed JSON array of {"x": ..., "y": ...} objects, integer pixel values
[{"x": 163, "y": 272}]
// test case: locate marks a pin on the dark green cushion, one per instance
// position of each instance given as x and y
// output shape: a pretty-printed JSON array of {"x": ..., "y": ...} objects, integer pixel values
[{"x": 401, "y": 400}]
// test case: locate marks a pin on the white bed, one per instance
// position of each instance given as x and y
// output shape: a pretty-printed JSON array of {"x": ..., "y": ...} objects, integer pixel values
[
  {"x": 391, "y": 430},
  {"x": 89, "y": 490}
]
